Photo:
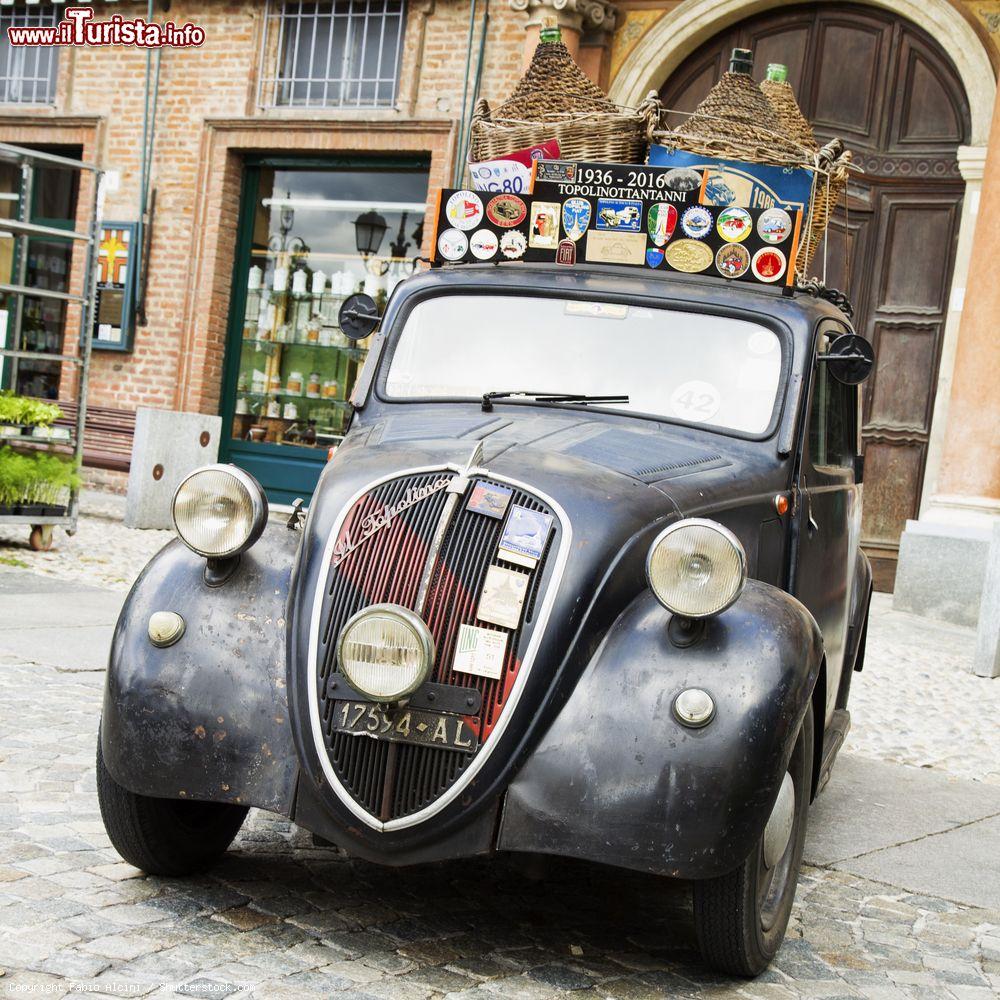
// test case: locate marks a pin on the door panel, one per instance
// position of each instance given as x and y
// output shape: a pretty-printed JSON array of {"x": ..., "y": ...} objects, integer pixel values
[{"x": 892, "y": 94}]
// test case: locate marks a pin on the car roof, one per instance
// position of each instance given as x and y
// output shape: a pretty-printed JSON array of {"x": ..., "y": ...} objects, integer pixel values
[{"x": 798, "y": 309}]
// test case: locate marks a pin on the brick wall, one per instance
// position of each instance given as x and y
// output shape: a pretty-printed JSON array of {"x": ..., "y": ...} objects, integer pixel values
[{"x": 207, "y": 119}]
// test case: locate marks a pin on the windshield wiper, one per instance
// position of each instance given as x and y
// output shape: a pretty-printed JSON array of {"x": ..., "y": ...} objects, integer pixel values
[{"x": 548, "y": 397}]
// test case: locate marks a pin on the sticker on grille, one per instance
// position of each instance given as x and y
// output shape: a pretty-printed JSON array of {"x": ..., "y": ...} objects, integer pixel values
[{"x": 391, "y": 780}]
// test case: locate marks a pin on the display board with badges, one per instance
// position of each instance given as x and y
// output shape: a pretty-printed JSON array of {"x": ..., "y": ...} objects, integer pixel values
[{"x": 613, "y": 213}]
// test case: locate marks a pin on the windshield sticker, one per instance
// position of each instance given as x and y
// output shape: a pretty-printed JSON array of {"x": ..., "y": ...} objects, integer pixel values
[
  {"x": 524, "y": 536},
  {"x": 575, "y": 217},
  {"x": 768, "y": 264},
  {"x": 689, "y": 256},
  {"x": 544, "y": 225},
  {"x": 654, "y": 256},
  {"x": 762, "y": 342},
  {"x": 774, "y": 225},
  {"x": 464, "y": 210},
  {"x": 695, "y": 401},
  {"x": 480, "y": 651},
  {"x": 616, "y": 248},
  {"x": 503, "y": 597},
  {"x": 734, "y": 224},
  {"x": 506, "y": 210},
  {"x": 513, "y": 244},
  {"x": 621, "y": 216},
  {"x": 732, "y": 261},
  {"x": 602, "y": 310},
  {"x": 452, "y": 244},
  {"x": 489, "y": 499},
  {"x": 661, "y": 222},
  {"x": 696, "y": 222},
  {"x": 484, "y": 244}
]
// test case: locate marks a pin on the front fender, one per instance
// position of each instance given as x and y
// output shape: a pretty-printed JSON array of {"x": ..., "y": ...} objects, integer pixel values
[
  {"x": 617, "y": 779},
  {"x": 206, "y": 718}
]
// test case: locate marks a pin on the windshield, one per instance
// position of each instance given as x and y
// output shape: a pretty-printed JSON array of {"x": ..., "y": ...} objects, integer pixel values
[{"x": 697, "y": 368}]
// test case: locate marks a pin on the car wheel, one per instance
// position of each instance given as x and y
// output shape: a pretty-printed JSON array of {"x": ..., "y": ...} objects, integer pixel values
[
  {"x": 164, "y": 836},
  {"x": 740, "y": 918}
]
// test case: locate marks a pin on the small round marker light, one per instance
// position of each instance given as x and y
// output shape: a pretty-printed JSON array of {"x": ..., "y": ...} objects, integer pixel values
[
  {"x": 781, "y": 503},
  {"x": 165, "y": 628},
  {"x": 694, "y": 708}
]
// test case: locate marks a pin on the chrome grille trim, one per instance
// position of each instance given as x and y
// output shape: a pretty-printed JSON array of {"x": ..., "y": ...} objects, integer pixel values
[{"x": 538, "y": 631}]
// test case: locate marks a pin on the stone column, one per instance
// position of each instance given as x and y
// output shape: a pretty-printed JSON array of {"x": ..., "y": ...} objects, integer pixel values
[
  {"x": 573, "y": 17},
  {"x": 943, "y": 557}
]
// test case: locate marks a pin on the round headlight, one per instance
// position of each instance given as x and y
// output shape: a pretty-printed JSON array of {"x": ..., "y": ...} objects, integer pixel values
[
  {"x": 219, "y": 511},
  {"x": 696, "y": 568},
  {"x": 386, "y": 652}
]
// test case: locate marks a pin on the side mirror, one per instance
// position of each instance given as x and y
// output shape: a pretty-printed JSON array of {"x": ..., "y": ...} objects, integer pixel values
[
  {"x": 358, "y": 316},
  {"x": 850, "y": 358}
]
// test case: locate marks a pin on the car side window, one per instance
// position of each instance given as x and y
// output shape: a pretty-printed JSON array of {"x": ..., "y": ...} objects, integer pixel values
[{"x": 831, "y": 421}]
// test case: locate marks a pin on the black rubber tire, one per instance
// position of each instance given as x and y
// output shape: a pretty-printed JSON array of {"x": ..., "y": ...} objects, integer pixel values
[
  {"x": 728, "y": 909},
  {"x": 165, "y": 836}
]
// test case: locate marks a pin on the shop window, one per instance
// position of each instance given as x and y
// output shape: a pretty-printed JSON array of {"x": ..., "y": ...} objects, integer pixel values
[
  {"x": 309, "y": 238},
  {"x": 339, "y": 54},
  {"x": 27, "y": 73}
]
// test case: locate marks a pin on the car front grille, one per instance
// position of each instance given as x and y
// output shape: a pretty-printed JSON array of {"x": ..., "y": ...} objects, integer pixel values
[{"x": 394, "y": 780}]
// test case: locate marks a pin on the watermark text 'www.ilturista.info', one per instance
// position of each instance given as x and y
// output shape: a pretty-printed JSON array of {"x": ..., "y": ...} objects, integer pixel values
[{"x": 78, "y": 27}]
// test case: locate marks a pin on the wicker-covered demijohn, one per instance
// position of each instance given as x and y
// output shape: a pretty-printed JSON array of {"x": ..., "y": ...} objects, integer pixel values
[
  {"x": 736, "y": 122},
  {"x": 555, "y": 100}
]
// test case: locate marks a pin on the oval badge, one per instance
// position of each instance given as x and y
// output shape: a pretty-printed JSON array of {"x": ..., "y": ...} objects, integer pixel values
[
  {"x": 575, "y": 217},
  {"x": 696, "y": 222},
  {"x": 768, "y": 264},
  {"x": 513, "y": 244},
  {"x": 732, "y": 261},
  {"x": 464, "y": 210},
  {"x": 506, "y": 210},
  {"x": 774, "y": 226},
  {"x": 452, "y": 244},
  {"x": 484, "y": 244},
  {"x": 661, "y": 221},
  {"x": 734, "y": 224},
  {"x": 689, "y": 256}
]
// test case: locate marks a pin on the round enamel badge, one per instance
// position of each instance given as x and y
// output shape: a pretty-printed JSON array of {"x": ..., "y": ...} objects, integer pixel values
[
  {"x": 696, "y": 222},
  {"x": 774, "y": 225},
  {"x": 689, "y": 255},
  {"x": 768, "y": 264},
  {"x": 464, "y": 210},
  {"x": 452, "y": 244},
  {"x": 484, "y": 244},
  {"x": 734, "y": 224},
  {"x": 513, "y": 244},
  {"x": 506, "y": 210},
  {"x": 732, "y": 260}
]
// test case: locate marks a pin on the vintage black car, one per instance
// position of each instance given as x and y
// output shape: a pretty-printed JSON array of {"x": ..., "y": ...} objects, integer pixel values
[{"x": 583, "y": 579}]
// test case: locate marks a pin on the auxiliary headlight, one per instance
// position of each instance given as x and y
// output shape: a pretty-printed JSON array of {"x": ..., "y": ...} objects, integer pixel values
[
  {"x": 219, "y": 511},
  {"x": 696, "y": 568},
  {"x": 386, "y": 652}
]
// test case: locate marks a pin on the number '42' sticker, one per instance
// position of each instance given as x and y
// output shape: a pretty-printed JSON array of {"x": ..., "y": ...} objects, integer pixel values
[{"x": 695, "y": 401}]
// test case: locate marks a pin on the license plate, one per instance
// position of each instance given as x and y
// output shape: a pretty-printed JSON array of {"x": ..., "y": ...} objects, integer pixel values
[{"x": 404, "y": 725}]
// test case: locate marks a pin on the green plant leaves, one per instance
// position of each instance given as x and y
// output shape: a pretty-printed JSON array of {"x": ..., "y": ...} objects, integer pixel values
[
  {"x": 26, "y": 411},
  {"x": 35, "y": 478}
]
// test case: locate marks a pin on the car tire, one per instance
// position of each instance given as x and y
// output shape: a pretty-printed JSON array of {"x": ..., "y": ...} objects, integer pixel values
[
  {"x": 164, "y": 836},
  {"x": 740, "y": 918}
]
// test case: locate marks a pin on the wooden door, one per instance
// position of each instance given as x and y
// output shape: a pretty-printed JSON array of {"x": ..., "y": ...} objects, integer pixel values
[{"x": 887, "y": 89}]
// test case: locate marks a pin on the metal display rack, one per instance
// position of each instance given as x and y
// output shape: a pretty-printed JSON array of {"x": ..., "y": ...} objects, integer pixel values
[{"x": 28, "y": 160}]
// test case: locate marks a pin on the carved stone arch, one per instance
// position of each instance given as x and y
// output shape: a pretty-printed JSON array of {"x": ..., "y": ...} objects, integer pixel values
[{"x": 666, "y": 44}]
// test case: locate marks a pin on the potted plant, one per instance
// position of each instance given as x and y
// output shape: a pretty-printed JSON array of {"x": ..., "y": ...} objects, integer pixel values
[{"x": 35, "y": 484}]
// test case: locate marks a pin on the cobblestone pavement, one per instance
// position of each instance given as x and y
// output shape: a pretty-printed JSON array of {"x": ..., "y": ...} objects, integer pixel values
[
  {"x": 916, "y": 701},
  {"x": 291, "y": 920},
  {"x": 103, "y": 552}
]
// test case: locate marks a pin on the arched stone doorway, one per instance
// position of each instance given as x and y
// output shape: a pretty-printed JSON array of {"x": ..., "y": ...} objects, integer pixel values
[{"x": 888, "y": 89}]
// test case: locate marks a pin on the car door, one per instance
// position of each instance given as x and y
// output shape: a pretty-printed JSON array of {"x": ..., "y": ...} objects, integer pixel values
[{"x": 828, "y": 512}]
